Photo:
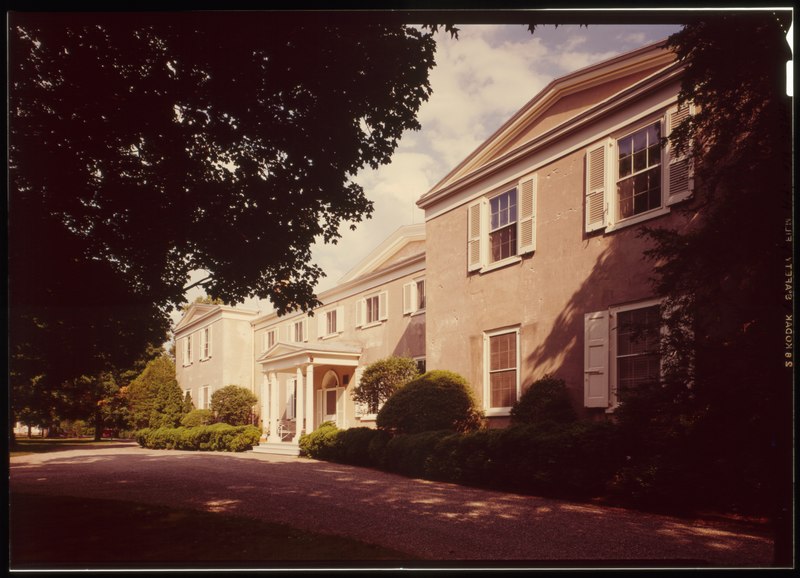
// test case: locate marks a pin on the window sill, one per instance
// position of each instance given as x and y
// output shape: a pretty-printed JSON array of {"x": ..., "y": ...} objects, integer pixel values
[
  {"x": 368, "y": 417},
  {"x": 500, "y": 264},
  {"x": 637, "y": 219},
  {"x": 373, "y": 324},
  {"x": 498, "y": 412},
  {"x": 330, "y": 335}
]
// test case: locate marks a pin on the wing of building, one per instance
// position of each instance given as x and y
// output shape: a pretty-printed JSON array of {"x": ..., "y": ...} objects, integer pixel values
[{"x": 530, "y": 262}]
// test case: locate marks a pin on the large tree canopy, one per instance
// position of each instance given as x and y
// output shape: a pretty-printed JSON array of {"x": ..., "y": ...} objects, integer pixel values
[{"x": 145, "y": 146}]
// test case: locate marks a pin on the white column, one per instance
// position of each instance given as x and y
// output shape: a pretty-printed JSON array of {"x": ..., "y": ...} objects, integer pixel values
[
  {"x": 264, "y": 404},
  {"x": 300, "y": 411},
  {"x": 273, "y": 407},
  {"x": 310, "y": 398}
]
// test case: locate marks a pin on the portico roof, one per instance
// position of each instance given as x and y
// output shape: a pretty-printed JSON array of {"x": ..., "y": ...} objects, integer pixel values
[{"x": 285, "y": 356}]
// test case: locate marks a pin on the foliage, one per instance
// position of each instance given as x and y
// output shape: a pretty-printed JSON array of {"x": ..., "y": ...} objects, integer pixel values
[
  {"x": 320, "y": 443},
  {"x": 233, "y": 404},
  {"x": 155, "y": 398},
  {"x": 359, "y": 446},
  {"x": 381, "y": 379},
  {"x": 198, "y": 417},
  {"x": 410, "y": 454},
  {"x": 436, "y": 400},
  {"x": 188, "y": 404},
  {"x": 202, "y": 299},
  {"x": 216, "y": 124},
  {"x": 220, "y": 437},
  {"x": 547, "y": 399},
  {"x": 720, "y": 424}
]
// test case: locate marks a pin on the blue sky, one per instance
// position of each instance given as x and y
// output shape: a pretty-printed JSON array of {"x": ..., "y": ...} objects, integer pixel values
[{"x": 479, "y": 81}]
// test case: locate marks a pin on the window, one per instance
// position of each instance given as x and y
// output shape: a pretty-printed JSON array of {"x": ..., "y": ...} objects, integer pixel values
[
  {"x": 502, "y": 227},
  {"x": 645, "y": 176},
  {"x": 298, "y": 330},
  {"x": 329, "y": 323},
  {"x": 621, "y": 351},
  {"x": 501, "y": 384},
  {"x": 268, "y": 339},
  {"x": 414, "y": 297},
  {"x": 291, "y": 398},
  {"x": 187, "y": 350},
  {"x": 420, "y": 364},
  {"x": 204, "y": 402},
  {"x": 205, "y": 343},
  {"x": 639, "y": 172},
  {"x": 372, "y": 310}
]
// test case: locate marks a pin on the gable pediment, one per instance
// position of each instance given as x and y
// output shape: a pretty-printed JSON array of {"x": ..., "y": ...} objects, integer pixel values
[
  {"x": 195, "y": 312},
  {"x": 561, "y": 102},
  {"x": 405, "y": 243}
]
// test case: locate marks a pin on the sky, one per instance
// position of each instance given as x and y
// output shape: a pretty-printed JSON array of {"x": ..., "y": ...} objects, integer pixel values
[{"x": 480, "y": 80}]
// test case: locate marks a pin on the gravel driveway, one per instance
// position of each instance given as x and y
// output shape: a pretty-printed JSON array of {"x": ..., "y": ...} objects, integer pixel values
[{"x": 431, "y": 520}]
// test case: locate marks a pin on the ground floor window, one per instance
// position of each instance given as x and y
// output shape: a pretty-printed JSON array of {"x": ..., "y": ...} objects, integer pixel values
[
  {"x": 501, "y": 383},
  {"x": 638, "y": 360}
]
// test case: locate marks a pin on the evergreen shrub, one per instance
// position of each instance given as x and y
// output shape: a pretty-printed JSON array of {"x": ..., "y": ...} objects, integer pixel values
[
  {"x": 198, "y": 417},
  {"x": 437, "y": 400},
  {"x": 321, "y": 443},
  {"x": 220, "y": 437},
  {"x": 546, "y": 399}
]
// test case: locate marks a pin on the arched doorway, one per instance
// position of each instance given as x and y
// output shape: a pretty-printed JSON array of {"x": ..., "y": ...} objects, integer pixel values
[{"x": 330, "y": 404}]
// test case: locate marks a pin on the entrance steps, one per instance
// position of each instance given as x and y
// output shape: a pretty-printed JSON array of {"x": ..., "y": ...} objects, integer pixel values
[{"x": 279, "y": 448}]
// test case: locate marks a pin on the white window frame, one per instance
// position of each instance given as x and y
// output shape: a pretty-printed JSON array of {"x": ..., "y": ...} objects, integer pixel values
[
  {"x": 205, "y": 343},
  {"x": 268, "y": 339},
  {"x": 292, "y": 330},
  {"x": 600, "y": 375},
  {"x": 324, "y": 329},
  {"x": 487, "y": 387},
  {"x": 601, "y": 203},
  {"x": 479, "y": 226},
  {"x": 204, "y": 397},
  {"x": 187, "y": 350},
  {"x": 362, "y": 321},
  {"x": 411, "y": 297}
]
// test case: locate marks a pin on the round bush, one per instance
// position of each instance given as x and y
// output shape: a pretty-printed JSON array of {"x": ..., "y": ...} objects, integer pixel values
[
  {"x": 437, "y": 400},
  {"x": 198, "y": 417},
  {"x": 545, "y": 400},
  {"x": 233, "y": 404}
]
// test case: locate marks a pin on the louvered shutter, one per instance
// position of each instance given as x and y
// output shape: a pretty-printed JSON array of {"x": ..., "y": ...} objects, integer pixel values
[
  {"x": 383, "y": 306},
  {"x": 409, "y": 294},
  {"x": 474, "y": 233},
  {"x": 322, "y": 324},
  {"x": 595, "y": 205},
  {"x": 360, "y": 313},
  {"x": 210, "y": 340},
  {"x": 595, "y": 360},
  {"x": 678, "y": 176},
  {"x": 526, "y": 224},
  {"x": 305, "y": 329},
  {"x": 339, "y": 319}
]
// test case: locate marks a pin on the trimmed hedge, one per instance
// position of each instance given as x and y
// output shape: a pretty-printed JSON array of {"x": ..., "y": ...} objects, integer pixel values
[
  {"x": 566, "y": 460},
  {"x": 220, "y": 437}
]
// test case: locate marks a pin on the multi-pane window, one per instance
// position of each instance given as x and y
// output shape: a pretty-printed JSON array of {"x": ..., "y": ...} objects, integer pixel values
[
  {"x": 421, "y": 365},
  {"x": 639, "y": 171},
  {"x": 372, "y": 309},
  {"x": 421, "y": 294},
  {"x": 299, "y": 334},
  {"x": 330, "y": 322},
  {"x": 413, "y": 297},
  {"x": 637, "y": 347},
  {"x": 187, "y": 350},
  {"x": 270, "y": 338},
  {"x": 206, "y": 340},
  {"x": 503, "y": 225},
  {"x": 502, "y": 369}
]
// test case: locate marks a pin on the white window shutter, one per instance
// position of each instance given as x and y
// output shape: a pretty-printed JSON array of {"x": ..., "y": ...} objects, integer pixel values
[
  {"x": 305, "y": 329},
  {"x": 409, "y": 294},
  {"x": 526, "y": 224},
  {"x": 322, "y": 324},
  {"x": 595, "y": 205},
  {"x": 360, "y": 313},
  {"x": 474, "y": 234},
  {"x": 339, "y": 319},
  {"x": 678, "y": 178},
  {"x": 210, "y": 340},
  {"x": 383, "y": 306},
  {"x": 595, "y": 359}
]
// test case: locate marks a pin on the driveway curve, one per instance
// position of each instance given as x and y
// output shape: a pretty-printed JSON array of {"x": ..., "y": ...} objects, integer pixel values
[{"x": 431, "y": 520}]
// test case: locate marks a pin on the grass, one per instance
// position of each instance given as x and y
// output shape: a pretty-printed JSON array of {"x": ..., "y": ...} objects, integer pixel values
[
  {"x": 63, "y": 532},
  {"x": 23, "y": 446}
]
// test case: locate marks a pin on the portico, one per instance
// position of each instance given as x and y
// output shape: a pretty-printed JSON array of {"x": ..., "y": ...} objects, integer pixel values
[{"x": 303, "y": 385}]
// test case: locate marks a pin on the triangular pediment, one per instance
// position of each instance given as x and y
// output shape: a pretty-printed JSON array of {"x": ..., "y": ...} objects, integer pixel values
[
  {"x": 404, "y": 244},
  {"x": 559, "y": 103},
  {"x": 195, "y": 312}
]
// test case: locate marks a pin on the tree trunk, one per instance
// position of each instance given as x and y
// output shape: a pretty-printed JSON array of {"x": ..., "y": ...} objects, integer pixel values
[{"x": 98, "y": 424}]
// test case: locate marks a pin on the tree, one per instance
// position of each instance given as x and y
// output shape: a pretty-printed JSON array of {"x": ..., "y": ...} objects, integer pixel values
[
  {"x": 145, "y": 146},
  {"x": 154, "y": 396},
  {"x": 724, "y": 404},
  {"x": 233, "y": 405},
  {"x": 203, "y": 299},
  {"x": 381, "y": 379}
]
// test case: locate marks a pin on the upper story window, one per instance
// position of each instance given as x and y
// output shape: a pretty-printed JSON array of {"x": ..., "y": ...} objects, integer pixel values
[
  {"x": 205, "y": 343},
  {"x": 330, "y": 322},
  {"x": 502, "y": 227},
  {"x": 372, "y": 309},
  {"x": 187, "y": 350},
  {"x": 299, "y": 331},
  {"x": 414, "y": 297},
  {"x": 642, "y": 181},
  {"x": 639, "y": 172},
  {"x": 268, "y": 339}
]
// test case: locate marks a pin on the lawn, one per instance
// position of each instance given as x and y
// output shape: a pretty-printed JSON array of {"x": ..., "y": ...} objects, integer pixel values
[
  {"x": 26, "y": 445},
  {"x": 62, "y": 532}
]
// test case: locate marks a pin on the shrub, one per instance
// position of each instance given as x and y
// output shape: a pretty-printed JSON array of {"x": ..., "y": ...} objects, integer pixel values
[
  {"x": 545, "y": 400},
  {"x": 381, "y": 379},
  {"x": 320, "y": 444},
  {"x": 217, "y": 437},
  {"x": 353, "y": 445},
  {"x": 233, "y": 404},
  {"x": 437, "y": 400},
  {"x": 198, "y": 417},
  {"x": 410, "y": 454}
]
